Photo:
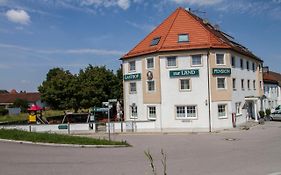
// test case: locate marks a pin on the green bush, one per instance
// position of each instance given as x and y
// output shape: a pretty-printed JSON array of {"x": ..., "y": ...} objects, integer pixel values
[
  {"x": 3, "y": 111},
  {"x": 261, "y": 114},
  {"x": 22, "y": 104},
  {"x": 267, "y": 112}
]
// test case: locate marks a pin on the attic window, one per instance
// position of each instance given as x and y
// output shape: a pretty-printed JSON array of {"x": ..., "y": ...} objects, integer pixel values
[
  {"x": 183, "y": 38},
  {"x": 155, "y": 41}
]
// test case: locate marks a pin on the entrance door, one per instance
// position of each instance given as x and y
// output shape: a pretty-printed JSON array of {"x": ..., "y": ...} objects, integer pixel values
[{"x": 250, "y": 110}]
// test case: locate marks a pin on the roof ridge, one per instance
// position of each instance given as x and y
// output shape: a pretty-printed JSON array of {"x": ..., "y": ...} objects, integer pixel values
[{"x": 177, "y": 13}]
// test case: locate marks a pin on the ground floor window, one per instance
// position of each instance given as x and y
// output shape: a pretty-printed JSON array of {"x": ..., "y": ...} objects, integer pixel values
[
  {"x": 183, "y": 112},
  {"x": 184, "y": 84},
  {"x": 134, "y": 111},
  {"x": 151, "y": 112},
  {"x": 222, "y": 110},
  {"x": 150, "y": 86}
]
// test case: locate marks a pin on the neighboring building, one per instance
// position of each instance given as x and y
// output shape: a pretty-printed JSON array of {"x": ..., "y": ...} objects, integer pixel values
[
  {"x": 187, "y": 75},
  {"x": 7, "y": 99},
  {"x": 272, "y": 89}
]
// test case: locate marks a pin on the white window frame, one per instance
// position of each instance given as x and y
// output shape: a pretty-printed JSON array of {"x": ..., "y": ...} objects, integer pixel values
[
  {"x": 241, "y": 65},
  {"x": 167, "y": 62},
  {"x": 147, "y": 84},
  {"x": 132, "y": 116},
  {"x": 248, "y": 65},
  {"x": 184, "y": 90},
  {"x": 249, "y": 84},
  {"x": 130, "y": 89},
  {"x": 234, "y": 84},
  {"x": 196, "y": 65},
  {"x": 186, "y": 117},
  {"x": 242, "y": 84},
  {"x": 223, "y": 59},
  {"x": 233, "y": 61},
  {"x": 148, "y": 113},
  {"x": 225, "y": 83},
  {"x": 183, "y": 41},
  {"x": 130, "y": 67},
  {"x": 254, "y": 84},
  {"x": 150, "y": 58},
  {"x": 226, "y": 111}
]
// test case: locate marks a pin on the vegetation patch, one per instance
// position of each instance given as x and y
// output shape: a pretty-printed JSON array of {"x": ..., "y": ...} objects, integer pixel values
[{"x": 54, "y": 138}]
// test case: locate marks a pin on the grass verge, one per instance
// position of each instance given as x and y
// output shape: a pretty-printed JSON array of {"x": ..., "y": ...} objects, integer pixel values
[{"x": 54, "y": 138}]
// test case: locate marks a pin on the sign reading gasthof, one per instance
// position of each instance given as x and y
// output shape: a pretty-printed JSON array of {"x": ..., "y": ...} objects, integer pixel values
[
  {"x": 221, "y": 71},
  {"x": 129, "y": 77},
  {"x": 184, "y": 73}
]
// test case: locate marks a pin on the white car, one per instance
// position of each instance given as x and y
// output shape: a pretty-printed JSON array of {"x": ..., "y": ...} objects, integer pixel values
[{"x": 276, "y": 115}]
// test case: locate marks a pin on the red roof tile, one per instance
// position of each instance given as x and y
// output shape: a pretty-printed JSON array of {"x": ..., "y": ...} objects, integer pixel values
[
  {"x": 272, "y": 77},
  {"x": 11, "y": 97},
  {"x": 202, "y": 35}
]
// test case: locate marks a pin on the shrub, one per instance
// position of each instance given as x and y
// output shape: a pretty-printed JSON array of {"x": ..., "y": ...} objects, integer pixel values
[
  {"x": 3, "y": 111},
  {"x": 261, "y": 114},
  {"x": 22, "y": 104},
  {"x": 267, "y": 112}
]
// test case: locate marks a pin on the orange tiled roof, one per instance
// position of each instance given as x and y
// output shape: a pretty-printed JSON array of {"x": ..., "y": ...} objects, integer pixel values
[
  {"x": 272, "y": 77},
  {"x": 202, "y": 35},
  {"x": 28, "y": 96}
]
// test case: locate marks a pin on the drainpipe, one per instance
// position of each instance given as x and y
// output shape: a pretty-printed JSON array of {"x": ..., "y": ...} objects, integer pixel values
[{"x": 209, "y": 93}]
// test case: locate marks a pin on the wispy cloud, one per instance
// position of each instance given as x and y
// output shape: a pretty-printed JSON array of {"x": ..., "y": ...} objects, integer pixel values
[
  {"x": 18, "y": 16},
  {"x": 144, "y": 27},
  {"x": 198, "y": 2},
  {"x": 92, "y": 51}
]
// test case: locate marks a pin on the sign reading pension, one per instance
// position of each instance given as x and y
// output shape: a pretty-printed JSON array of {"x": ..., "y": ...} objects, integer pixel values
[
  {"x": 184, "y": 73},
  {"x": 128, "y": 77},
  {"x": 221, "y": 71}
]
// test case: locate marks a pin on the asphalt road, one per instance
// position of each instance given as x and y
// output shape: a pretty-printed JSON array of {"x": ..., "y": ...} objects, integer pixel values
[{"x": 256, "y": 151}]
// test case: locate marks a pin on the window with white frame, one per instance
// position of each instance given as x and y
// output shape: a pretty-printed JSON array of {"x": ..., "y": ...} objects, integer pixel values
[
  {"x": 133, "y": 87},
  {"x": 234, "y": 84},
  {"x": 222, "y": 111},
  {"x": 248, "y": 84},
  {"x": 186, "y": 112},
  {"x": 247, "y": 65},
  {"x": 241, "y": 63},
  {"x": 254, "y": 67},
  {"x": 132, "y": 65},
  {"x": 150, "y": 85},
  {"x": 221, "y": 83},
  {"x": 238, "y": 108},
  {"x": 242, "y": 84},
  {"x": 196, "y": 60},
  {"x": 151, "y": 112},
  {"x": 185, "y": 84},
  {"x": 254, "y": 84},
  {"x": 134, "y": 111},
  {"x": 149, "y": 63},
  {"x": 233, "y": 61},
  {"x": 220, "y": 59},
  {"x": 183, "y": 38},
  {"x": 171, "y": 61}
]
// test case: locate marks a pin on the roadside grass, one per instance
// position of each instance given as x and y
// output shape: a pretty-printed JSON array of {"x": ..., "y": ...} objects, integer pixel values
[{"x": 19, "y": 135}]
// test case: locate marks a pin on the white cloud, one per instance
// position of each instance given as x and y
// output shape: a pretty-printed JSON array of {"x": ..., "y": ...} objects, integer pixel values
[
  {"x": 124, "y": 4},
  {"x": 18, "y": 16},
  {"x": 144, "y": 27},
  {"x": 198, "y": 2}
]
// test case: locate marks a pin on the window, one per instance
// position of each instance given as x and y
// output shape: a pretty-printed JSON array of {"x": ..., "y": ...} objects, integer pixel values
[
  {"x": 254, "y": 84},
  {"x": 155, "y": 41},
  {"x": 242, "y": 84},
  {"x": 186, "y": 112},
  {"x": 241, "y": 63},
  {"x": 151, "y": 112},
  {"x": 247, "y": 65},
  {"x": 171, "y": 61},
  {"x": 183, "y": 38},
  {"x": 150, "y": 86},
  {"x": 196, "y": 60},
  {"x": 133, "y": 88},
  {"x": 132, "y": 65},
  {"x": 184, "y": 84},
  {"x": 234, "y": 84},
  {"x": 222, "y": 111},
  {"x": 220, "y": 59},
  {"x": 221, "y": 83},
  {"x": 232, "y": 61},
  {"x": 149, "y": 63},
  {"x": 248, "y": 84},
  {"x": 238, "y": 108},
  {"x": 134, "y": 111},
  {"x": 254, "y": 67}
]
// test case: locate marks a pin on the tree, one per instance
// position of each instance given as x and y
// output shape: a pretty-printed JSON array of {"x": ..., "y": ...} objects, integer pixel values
[{"x": 22, "y": 104}]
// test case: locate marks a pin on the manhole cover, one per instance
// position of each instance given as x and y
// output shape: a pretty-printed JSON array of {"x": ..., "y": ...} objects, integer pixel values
[{"x": 231, "y": 139}]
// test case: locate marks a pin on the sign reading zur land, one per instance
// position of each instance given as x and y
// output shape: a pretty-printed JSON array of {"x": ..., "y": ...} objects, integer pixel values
[{"x": 184, "y": 73}]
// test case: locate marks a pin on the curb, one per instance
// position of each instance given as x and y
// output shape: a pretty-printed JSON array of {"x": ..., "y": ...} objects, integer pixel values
[{"x": 62, "y": 145}]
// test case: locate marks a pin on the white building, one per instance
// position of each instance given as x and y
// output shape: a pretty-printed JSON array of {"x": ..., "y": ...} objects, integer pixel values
[{"x": 188, "y": 76}]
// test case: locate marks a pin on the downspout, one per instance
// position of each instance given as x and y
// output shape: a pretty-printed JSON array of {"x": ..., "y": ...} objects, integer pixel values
[{"x": 209, "y": 93}]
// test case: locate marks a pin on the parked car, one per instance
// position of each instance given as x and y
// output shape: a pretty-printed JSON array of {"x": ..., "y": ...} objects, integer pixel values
[{"x": 276, "y": 115}]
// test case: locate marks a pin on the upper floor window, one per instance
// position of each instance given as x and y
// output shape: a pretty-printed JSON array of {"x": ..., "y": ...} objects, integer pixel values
[
  {"x": 247, "y": 65},
  {"x": 183, "y": 38},
  {"x": 254, "y": 84},
  {"x": 150, "y": 86},
  {"x": 221, "y": 83},
  {"x": 149, "y": 63},
  {"x": 241, "y": 63},
  {"x": 254, "y": 67},
  {"x": 232, "y": 61},
  {"x": 132, "y": 65},
  {"x": 184, "y": 84},
  {"x": 155, "y": 41},
  {"x": 242, "y": 84},
  {"x": 248, "y": 84},
  {"x": 234, "y": 84},
  {"x": 133, "y": 88},
  {"x": 196, "y": 60},
  {"x": 220, "y": 59},
  {"x": 171, "y": 61}
]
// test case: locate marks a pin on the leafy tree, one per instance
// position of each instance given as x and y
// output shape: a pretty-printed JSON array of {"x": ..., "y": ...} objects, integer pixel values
[{"x": 22, "y": 104}]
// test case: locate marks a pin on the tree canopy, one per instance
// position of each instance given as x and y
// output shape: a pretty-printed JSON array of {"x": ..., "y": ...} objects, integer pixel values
[{"x": 90, "y": 87}]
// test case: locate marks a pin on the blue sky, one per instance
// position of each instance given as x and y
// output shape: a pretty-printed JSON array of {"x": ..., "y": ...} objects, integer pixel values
[{"x": 37, "y": 35}]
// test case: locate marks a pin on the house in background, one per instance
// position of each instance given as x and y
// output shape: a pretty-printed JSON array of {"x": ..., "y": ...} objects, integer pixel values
[
  {"x": 188, "y": 75},
  {"x": 272, "y": 89},
  {"x": 7, "y": 99}
]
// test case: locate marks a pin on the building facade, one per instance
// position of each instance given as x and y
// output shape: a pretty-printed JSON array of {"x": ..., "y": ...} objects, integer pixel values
[{"x": 187, "y": 75}]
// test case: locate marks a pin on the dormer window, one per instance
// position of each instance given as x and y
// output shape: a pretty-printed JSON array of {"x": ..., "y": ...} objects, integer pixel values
[
  {"x": 155, "y": 41},
  {"x": 183, "y": 38}
]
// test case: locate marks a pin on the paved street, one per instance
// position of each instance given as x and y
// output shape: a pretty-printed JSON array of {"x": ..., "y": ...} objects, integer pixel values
[{"x": 256, "y": 151}]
